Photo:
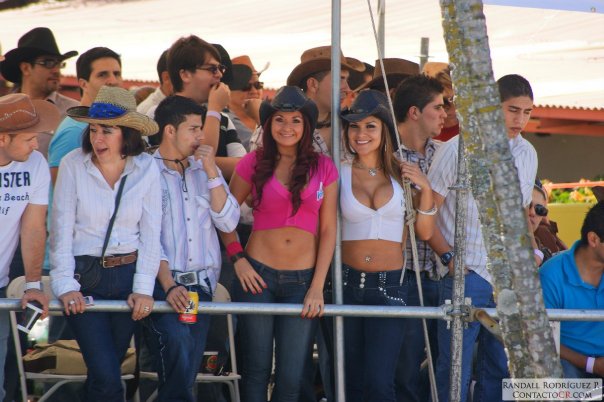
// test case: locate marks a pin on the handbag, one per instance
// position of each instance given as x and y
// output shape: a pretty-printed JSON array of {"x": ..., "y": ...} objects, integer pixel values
[{"x": 87, "y": 267}]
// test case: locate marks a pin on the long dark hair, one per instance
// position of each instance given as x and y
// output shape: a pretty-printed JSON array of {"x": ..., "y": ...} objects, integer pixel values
[{"x": 267, "y": 156}]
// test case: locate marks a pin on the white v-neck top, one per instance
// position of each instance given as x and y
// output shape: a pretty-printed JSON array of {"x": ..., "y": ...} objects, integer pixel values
[{"x": 359, "y": 222}]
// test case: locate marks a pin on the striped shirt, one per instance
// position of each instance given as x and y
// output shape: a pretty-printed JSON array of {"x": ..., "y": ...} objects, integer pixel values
[
  {"x": 425, "y": 254},
  {"x": 443, "y": 174},
  {"x": 82, "y": 207}
]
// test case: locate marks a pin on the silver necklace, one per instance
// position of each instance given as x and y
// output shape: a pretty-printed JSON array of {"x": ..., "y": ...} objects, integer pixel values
[{"x": 372, "y": 171}]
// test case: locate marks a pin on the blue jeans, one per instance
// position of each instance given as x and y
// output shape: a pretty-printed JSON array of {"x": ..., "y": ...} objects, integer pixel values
[
  {"x": 104, "y": 337},
  {"x": 491, "y": 361},
  {"x": 177, "y": 348},
  {"x": 372, "y": 344},
  {"x": 411, "y": 384},
  {"x": 4, "y": 330},
  {"x": 293, "y": 336}
]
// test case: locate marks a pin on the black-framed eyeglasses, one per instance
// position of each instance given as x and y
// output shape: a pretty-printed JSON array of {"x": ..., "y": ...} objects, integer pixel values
[
  {"x": 50, "y": 63},
  {"x": 539, "y": 209},
  {"x": 213, "y": 68},
  {"x": 258, "y": 85}
]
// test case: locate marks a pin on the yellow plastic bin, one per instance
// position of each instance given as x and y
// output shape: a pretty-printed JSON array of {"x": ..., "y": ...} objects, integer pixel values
[{"x": 569, "y": 218}]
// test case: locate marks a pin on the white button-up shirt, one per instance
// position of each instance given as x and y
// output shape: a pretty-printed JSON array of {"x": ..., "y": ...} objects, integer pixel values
[
  {"x": 82, "y": 207},
  {"x": 443, "y": 174},
  {"x": 188, "y": 237}
]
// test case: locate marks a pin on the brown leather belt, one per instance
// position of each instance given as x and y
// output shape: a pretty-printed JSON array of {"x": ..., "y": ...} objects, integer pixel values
[{"x": 111, "y": 261}]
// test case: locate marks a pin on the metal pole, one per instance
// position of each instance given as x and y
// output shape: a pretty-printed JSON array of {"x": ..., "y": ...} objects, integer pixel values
[
  {"x": 461, "y": 209},
  {"x": 382, "y": 26},
  {"x": 424, "y": 53},
  {"x": 338, "y": 358}
]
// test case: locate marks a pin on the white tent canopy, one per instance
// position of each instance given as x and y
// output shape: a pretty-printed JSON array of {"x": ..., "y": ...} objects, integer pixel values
[{"x": 560, "y": 52}]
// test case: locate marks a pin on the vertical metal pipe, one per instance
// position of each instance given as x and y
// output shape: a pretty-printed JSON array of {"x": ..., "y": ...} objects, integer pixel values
[
  {"x": 424, "y": 53},
  {"x": 382, "y": 26},
  {"x": 338, "y": 359},
  {"x": 457, "y": 327}
]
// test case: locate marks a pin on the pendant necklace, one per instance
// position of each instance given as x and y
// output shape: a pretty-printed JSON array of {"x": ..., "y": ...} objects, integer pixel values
[{"x": 372, "y": 171}]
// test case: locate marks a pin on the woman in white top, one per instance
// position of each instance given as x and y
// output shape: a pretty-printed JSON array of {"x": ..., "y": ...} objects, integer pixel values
[
  {"x": 86, "y": 193},
  {"x": 373, "y": 216}
]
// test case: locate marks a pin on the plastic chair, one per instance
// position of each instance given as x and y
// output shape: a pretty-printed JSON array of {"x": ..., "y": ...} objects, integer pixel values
[
  {"x": 15, "y": 291},
  {"x": 221, "y": 295}
]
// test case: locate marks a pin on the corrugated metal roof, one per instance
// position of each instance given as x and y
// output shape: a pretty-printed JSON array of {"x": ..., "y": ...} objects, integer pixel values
[{"x": 560, "y": 52}]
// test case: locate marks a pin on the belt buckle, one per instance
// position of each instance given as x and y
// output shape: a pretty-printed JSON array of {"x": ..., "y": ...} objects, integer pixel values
[
  {"x": 187, "y": 278},
  {"x": 104, "y": 259}
]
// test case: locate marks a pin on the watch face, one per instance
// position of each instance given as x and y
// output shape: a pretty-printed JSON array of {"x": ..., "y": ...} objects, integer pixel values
[{"x": 446, "y": 258}]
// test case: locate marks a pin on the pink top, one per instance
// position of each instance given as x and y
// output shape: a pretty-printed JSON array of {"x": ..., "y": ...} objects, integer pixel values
[{"x": 276, "y": 207}]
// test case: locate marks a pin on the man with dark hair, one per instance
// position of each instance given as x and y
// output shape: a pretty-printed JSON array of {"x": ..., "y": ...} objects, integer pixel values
[
  {"x": 35, "y": 67},
  {"x": 164, "y": 89},
  {"x": 491, "y": 358},
  {"x": 195, "y": 70},
  {"x": 196, "y": 201},
  {"x": 419, "y": 111},
  {"x": 573, "y": 280},
  {"x": 94, "y": 68}
]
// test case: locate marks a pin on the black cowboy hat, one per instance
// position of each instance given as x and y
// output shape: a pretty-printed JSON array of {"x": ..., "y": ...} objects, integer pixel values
[
  {"x": 371, "y": 102},
  {"x": 290, "y": 99},
  {"x": 37, "y": 42}
]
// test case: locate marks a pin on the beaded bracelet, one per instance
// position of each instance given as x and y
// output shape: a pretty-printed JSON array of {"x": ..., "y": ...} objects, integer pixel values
[{"x": 431, "y": 212}]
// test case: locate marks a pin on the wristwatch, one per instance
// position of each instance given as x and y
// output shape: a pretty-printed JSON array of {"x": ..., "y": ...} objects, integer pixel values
[
  {"x": 237, "y": 256},
  {"x": 446, "y": 258}
]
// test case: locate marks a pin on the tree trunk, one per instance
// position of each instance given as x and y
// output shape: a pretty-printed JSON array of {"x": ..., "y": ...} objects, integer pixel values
[{"x": 495, "y": 186}]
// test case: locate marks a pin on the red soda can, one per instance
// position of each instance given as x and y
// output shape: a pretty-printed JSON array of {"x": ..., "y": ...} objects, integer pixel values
[{"x": 189, "y": 316}]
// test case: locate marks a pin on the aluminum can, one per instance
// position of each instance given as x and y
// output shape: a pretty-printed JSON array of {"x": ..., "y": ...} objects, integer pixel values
[{"x": 189, "y": 316}]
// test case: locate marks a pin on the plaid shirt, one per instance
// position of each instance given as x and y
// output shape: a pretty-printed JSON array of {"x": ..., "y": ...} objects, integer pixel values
[{"x": 425, "y": 254}]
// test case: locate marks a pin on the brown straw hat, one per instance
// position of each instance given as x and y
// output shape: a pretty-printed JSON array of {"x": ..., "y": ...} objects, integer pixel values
[
  {"x": 20, "y": 114},
  {"x": 396, "y": 71},
  {"x": 319, "y": 59},
  {"x": 433, "y": 68},
  {"x": 114, "y": 106}
]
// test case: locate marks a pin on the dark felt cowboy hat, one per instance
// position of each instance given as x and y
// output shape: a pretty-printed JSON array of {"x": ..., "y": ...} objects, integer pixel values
[
  {"x": 371, "y": 102},
  {"x": 37, "y": 42},
  {"x": 20, "y": 114},
  {"x": 290, "y": 99},
  {"x": 319, "y": 59},
  {"x": 396, "y": 71},
  {"x": 114, "y": 106}
]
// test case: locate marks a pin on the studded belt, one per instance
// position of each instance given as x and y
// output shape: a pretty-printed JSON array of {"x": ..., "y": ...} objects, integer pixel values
[
  {"x": 370, "y": 280},
  {"x": 111, "y": 261}
]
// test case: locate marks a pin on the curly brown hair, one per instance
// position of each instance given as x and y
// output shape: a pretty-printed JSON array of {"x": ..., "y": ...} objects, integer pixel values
[{"x": 267, "y": 157}]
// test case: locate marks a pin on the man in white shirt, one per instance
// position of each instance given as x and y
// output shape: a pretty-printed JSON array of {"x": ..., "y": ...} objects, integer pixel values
[
  {"x": 195, "y": 201},
  {"x": 164, "y": 89},
  {"x": 517, "y": 104},
  {"x": 35, "y": 66},
  {"x": 24, "y": 182}
]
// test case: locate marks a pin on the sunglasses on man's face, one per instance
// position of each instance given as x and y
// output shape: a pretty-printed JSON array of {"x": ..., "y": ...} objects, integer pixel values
[
  {"x": 448, "y": 102},
  {"x": 213, "y": 68},
  {"x": 258, "y": 85},
  {"x": 50, "y": 63},
  {"x": 540, "y": 210}
]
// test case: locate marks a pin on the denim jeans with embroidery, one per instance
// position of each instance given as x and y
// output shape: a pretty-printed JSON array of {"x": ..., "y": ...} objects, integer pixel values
[{"x": 372, "y": 344}]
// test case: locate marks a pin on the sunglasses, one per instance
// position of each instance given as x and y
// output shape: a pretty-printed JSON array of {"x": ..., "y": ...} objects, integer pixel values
[
  {"x": 213, "y": 68},
  {"x": 539, "y": 209},
  {"x": 50, "y": 63},
  {"x": 258, "y": 85},
  {"x": 448, "y": 102}
]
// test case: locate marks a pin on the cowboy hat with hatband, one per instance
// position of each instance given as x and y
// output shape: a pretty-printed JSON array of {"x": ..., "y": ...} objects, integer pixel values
[
  {"x": 114, "y": 106},
  {"x": 371, "y": 102},
  {"x": 319, "y": 59},
  {"x": 243, "y": 70},
  {"x": 396, "y": 71},
  {"x": 290, "y": 99},
  {"x": 20, "y": 114},
  {"x": 37, "y": 42}
]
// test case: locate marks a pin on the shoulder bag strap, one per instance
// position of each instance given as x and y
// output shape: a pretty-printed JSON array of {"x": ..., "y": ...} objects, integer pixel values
[{"x": 118, "y": 197}]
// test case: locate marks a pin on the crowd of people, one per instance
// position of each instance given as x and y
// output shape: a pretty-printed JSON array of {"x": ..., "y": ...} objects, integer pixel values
[{"x": 206, "y": 182}]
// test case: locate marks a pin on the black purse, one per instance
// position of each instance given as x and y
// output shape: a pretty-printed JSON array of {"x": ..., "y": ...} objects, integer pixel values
[{"x": 87, "y": 267}]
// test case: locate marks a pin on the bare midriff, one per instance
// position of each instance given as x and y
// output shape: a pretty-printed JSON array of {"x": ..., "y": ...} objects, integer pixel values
[
  {"x": 286, "y": 248},
  {"x": 372, "y": 255}
]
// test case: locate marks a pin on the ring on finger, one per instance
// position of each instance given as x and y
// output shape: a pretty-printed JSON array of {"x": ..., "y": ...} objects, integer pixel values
[
  {"x": 71, "y": 302},
  {"x": 146, "y": 309}
]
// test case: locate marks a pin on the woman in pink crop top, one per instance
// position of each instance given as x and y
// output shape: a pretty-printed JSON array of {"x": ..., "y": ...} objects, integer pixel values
[
  {"x": 372, "y": 200},
  {"x": 293, "y": 192}
]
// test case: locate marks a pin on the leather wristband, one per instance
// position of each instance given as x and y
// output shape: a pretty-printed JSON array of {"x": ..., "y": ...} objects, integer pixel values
[
  {"x": 237, "y": 256},
  {"x": 172, "y": 288}
]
